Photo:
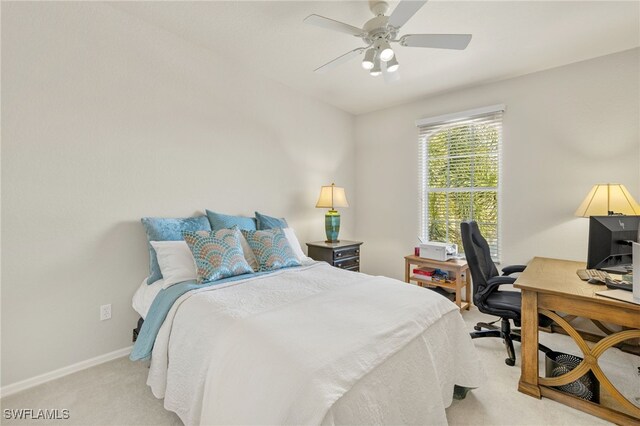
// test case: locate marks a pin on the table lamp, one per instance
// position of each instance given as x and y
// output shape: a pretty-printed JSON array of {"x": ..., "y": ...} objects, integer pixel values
[
  {"x": 332, "y": 196},
  {"x": 608, "y": 199}
]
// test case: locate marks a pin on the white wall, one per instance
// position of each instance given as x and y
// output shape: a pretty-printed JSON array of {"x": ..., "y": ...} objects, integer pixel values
[
  {"x": 565, "y": 129},
  {"x": 107, "y": 119}
]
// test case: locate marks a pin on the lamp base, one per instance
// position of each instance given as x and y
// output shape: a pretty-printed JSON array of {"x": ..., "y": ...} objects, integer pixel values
[{"x": 332, "y": 226}]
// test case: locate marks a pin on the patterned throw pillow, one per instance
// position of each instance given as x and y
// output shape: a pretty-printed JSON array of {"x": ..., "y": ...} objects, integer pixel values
[
  {"x": 271, "y": 248},
  {"x": 248, "y": 253},
  {"x": 218, "y": 254}
]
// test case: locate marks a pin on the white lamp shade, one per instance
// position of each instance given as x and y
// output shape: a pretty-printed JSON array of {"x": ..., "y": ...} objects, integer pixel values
[
  {"x": 332, "y": 196},
  {"x": 376, "y": 70},
  {"x": 369, "y": 59},
  {"x": 608, "y": 197},
  {"x": 392, "y": 65},
  {"x": 385, "y": 53}
]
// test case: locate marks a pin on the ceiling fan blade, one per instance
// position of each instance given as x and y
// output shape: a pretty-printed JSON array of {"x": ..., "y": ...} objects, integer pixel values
[
  {"x": 404, "y": 11},
  {"x": 437, "y": 41},
  {"x": 389, "y": 77},
  {"x": 340, "y": 60},
  {"x": 331, "y": 24}
]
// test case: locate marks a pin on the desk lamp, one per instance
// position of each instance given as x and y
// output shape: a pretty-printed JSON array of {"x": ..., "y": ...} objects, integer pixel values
[
  {"x": 608, "y": 199},
  {"x": 332, "y": 196}
]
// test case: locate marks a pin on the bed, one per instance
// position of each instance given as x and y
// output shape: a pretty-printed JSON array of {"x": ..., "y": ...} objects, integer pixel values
[{"x": 307, "y": 345}]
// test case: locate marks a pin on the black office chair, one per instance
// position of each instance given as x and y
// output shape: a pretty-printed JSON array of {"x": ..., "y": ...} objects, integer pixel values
[{"x": 487, "y": 295}]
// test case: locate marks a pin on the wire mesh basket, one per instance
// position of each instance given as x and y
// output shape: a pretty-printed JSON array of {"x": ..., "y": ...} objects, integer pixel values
[{"x": 586, "y": 387}]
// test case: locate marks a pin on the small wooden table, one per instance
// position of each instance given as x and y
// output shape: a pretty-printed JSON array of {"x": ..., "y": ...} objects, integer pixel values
[
  {"x": 458, "y": 266},
  {"x": 550, "y": 285}
]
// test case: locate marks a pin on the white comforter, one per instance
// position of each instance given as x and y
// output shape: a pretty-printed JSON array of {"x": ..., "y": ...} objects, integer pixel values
[{"x": 312, "y": 345}]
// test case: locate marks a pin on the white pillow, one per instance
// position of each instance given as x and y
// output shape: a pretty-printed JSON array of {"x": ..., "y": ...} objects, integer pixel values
[
  {"x": 295, "y": 244},
  {"x": 175, "y": 261}
]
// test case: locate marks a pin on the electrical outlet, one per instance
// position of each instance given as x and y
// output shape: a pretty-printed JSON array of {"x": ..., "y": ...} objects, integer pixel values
[{"x": 105, "y": 312}]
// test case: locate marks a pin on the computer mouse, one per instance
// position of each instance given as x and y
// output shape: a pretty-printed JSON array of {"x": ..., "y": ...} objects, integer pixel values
[{"x": 594, "y": 281}]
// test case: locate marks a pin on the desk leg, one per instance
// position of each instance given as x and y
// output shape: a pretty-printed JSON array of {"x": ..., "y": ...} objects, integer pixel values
[
  {"x": 407, "y": 265},
  {"x": 459, "y": 288},
  {"x": 529, "y": 348},
  {"x": 467, "y": 277}
]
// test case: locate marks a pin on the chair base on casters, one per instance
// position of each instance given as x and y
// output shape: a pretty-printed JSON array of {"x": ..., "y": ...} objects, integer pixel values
[
  {"x": 508, "y": 337},
  {"x": 489, "y": 326}
]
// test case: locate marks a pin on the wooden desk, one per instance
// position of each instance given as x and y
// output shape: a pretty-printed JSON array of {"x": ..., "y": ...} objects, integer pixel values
[
  {"x": 552, "y": 285},
  {"x": 459, "y": 268}
]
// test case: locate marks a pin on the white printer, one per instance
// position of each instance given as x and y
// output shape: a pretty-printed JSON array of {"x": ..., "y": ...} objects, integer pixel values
[{"x": 438, "y": 251}]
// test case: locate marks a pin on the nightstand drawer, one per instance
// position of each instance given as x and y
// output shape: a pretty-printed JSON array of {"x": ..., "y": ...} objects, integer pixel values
[
  {"x": 346, "y": 253},
  {"x": 343, "y": 254},
  {"x": 350, "y": 263}
]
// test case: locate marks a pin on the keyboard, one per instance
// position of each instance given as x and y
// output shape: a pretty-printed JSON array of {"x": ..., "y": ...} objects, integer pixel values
[
  {"x": 587, "y": 274},
  {"x": 619, "y": 285}
]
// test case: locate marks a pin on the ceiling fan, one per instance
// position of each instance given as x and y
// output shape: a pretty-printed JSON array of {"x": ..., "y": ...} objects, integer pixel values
[{"x": 378, "y": 33}]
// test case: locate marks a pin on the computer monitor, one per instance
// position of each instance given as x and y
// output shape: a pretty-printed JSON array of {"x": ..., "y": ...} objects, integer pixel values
[{"x": 609, "y": 242}]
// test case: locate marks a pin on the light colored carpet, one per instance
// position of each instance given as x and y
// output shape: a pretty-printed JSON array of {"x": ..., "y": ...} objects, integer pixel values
[{"x": 115, "y": 393}]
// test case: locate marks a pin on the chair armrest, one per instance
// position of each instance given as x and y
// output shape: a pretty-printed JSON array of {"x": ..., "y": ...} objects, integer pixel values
[
  {"x": 493, "y": 284},
  {"x": 512, "y": 269},
  {"x": 499, "y": 280}
]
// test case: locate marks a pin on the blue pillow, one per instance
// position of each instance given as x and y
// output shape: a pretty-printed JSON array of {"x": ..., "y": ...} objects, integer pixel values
[
  {"x": 163, "y": 229},
  {"x": 268, "y": 222},
  {"x": 225, "y": 221},
  {"x": 271, "y": 248}
]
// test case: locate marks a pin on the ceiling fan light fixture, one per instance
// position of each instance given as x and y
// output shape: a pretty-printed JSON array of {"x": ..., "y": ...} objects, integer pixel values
[
  {"x": 376, "y": 70},
  {"x": 385, "y": 51},
  {"x": 386, "y": 54},
  {"x": 393, "y": 65},
  {"x": 369, "y": 58}
]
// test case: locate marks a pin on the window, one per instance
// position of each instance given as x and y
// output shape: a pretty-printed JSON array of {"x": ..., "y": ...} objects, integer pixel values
[{"x": 460, "y": 175}]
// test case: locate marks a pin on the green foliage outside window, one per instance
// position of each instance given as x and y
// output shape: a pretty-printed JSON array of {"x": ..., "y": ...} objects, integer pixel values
[{"x": 462, "y": 182}]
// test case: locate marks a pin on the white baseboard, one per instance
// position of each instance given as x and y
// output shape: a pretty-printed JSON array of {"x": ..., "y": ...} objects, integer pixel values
[{"x": 61, "y": 372}]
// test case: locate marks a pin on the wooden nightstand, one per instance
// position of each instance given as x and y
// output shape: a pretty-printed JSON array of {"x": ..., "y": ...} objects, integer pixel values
[{"x": 344, "y": 255}]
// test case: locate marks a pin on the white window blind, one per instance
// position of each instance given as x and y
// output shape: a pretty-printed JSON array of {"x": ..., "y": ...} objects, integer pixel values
[{"x": 459, "y": 172}]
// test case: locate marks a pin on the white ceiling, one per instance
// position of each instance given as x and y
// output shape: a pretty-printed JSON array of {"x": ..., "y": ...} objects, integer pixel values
[{"x": 509, "y": 39}]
